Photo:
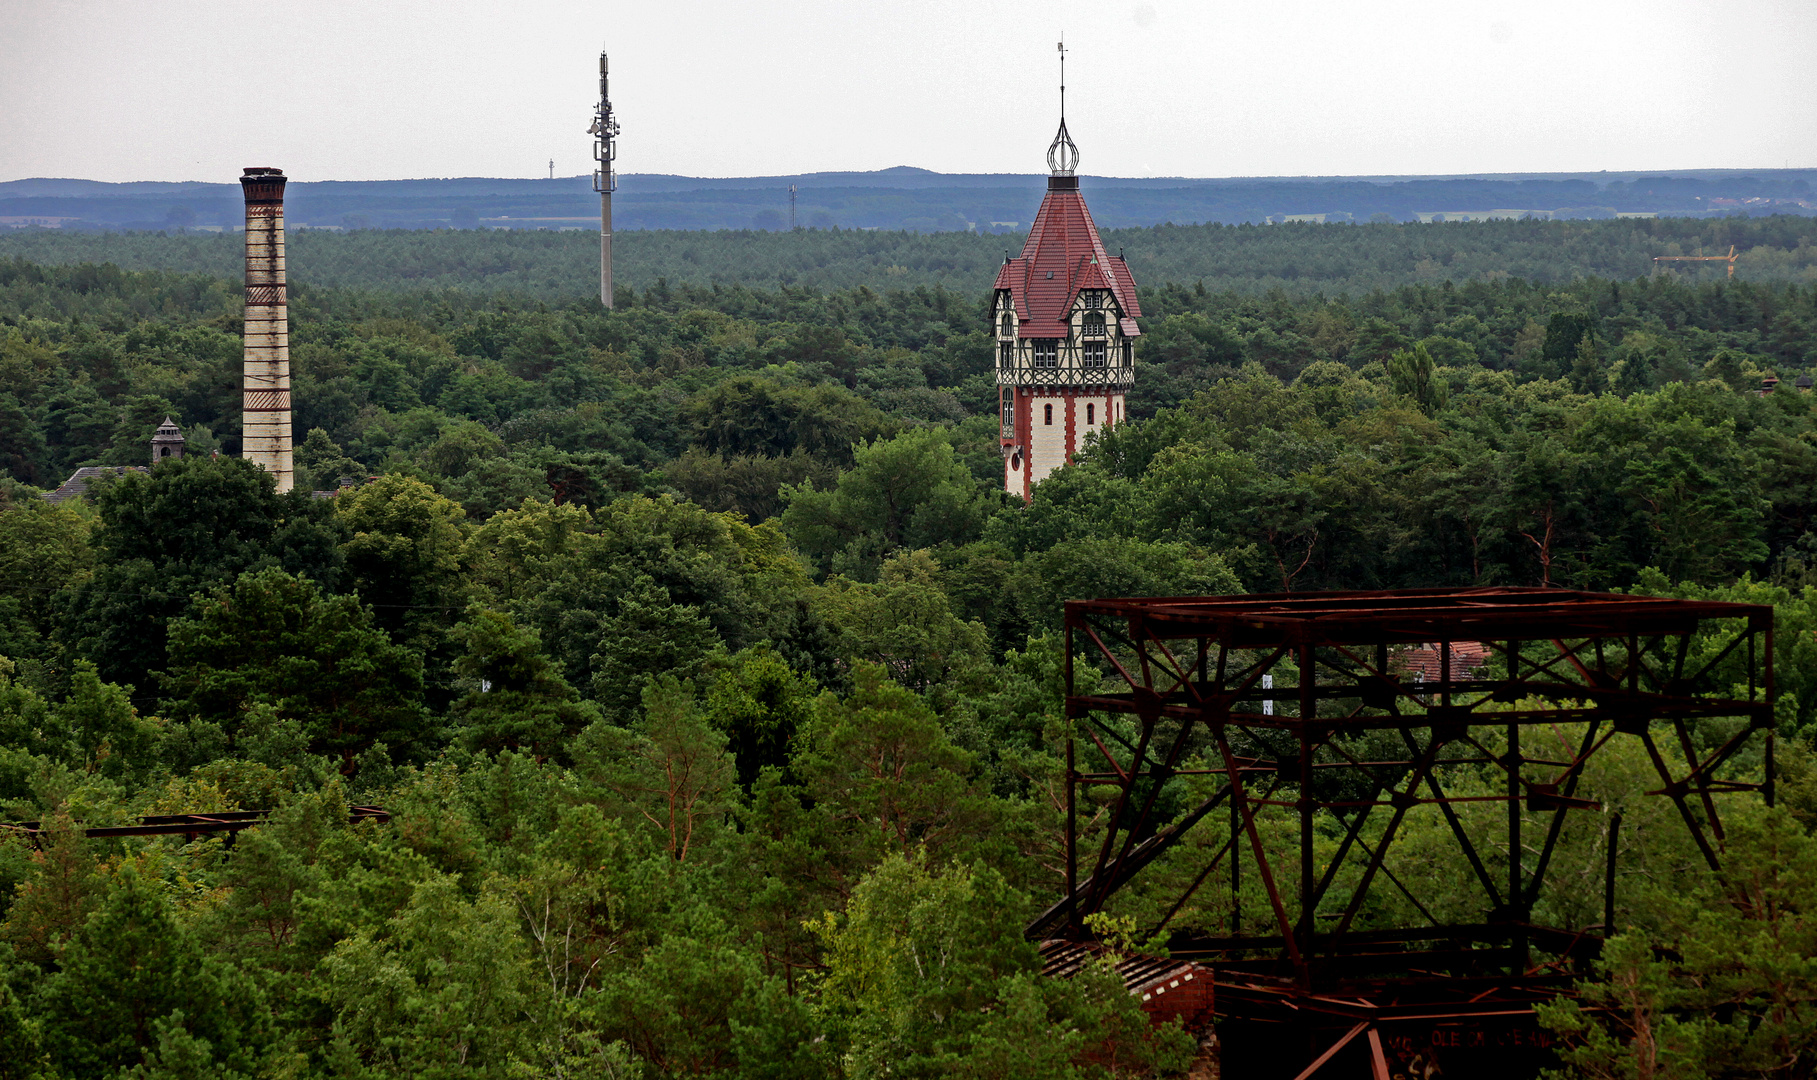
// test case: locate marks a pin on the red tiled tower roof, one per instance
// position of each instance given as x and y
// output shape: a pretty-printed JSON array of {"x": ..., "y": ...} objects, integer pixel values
[{"x": 1064, "y": 255}]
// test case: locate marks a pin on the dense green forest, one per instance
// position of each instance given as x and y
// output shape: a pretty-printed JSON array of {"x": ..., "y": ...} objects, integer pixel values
[
  {"x": 1300, "y": 259},
  {"x": 714, "y": 686}
]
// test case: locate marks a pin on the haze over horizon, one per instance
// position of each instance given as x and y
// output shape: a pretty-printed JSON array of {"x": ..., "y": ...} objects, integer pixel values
[{"x": 117, "y": 91}]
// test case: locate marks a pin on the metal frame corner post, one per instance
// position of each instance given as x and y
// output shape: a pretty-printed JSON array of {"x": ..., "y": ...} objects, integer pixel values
[{"x": 1074, "y": 920}]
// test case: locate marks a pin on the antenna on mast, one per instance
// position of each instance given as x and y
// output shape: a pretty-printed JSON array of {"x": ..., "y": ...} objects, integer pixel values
[{"x": 605, "y": 178}]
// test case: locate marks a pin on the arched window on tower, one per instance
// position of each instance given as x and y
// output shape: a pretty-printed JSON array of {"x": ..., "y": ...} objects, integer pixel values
[
  {"x": 1091, "y": 414},
  {"x": 1047, "y": 415},
  {"x": 1007, "y": 325}
]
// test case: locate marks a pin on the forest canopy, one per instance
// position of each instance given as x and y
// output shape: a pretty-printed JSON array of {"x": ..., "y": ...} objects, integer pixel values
[
  {"x": 712, "y": 681},
  {"x": 1301, "y": 259}
]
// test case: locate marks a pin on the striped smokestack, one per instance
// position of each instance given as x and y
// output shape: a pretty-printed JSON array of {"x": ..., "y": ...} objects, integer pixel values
[{"x": 265, "y": 405}]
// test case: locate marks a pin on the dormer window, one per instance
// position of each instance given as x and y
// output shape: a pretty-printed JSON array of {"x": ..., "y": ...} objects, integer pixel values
[
  {"x": 1092, "y": 326},
  {"x": 1094, "y": 298}
]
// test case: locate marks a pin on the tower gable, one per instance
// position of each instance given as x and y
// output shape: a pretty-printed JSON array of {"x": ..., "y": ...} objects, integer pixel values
[
  {"x": 1062, "y": 257},
  {"x": 1072, "y": 305}
]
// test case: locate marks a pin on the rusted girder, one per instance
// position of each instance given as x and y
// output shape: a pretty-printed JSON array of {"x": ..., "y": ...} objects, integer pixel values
[{"x": 186, "y": 825}]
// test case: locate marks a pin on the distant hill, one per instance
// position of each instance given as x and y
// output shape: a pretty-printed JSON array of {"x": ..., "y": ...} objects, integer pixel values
[
  {"x": 1296, "y": 259},
  {"x": 906, "y": 198}
]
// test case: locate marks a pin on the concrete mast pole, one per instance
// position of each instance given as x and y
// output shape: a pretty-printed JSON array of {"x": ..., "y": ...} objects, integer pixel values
[
  {"x": 605, "y": 248},
  {"x": 265, "y": 384},
  {"x": 605, "y": 179}
]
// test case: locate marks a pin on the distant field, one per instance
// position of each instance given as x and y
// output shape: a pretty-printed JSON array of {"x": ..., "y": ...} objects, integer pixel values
[{"x": 1298, "y": 259}]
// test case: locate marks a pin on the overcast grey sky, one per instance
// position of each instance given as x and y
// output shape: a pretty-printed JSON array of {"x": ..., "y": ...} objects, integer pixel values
[{"x": 381, "y": 89}]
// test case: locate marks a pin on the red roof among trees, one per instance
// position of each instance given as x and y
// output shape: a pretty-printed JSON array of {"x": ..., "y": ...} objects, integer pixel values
[{"x": 1064, "y": 255}]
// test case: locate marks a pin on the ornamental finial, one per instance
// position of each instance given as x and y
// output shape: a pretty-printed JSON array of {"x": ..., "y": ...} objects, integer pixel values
[{"x": 1062, "y": 155}]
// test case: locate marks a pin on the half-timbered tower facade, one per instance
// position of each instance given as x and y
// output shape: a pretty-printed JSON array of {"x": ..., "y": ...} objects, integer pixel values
[{"x": 1064, "y": 319}]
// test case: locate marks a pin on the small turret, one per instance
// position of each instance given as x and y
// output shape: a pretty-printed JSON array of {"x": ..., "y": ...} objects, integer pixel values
[{"x": 167, "y": 443}]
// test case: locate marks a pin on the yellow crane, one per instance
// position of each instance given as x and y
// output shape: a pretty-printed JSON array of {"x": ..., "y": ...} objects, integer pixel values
[{"x": 1729, "y": 258}]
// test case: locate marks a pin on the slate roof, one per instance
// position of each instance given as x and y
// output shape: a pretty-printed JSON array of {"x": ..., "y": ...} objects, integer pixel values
[
  {"x": 77, "y": 484},
  {"x": 1062, "y": 256}
]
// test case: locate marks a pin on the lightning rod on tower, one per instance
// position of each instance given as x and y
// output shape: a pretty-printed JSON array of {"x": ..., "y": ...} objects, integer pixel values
[{"x": 605, "y": 180}]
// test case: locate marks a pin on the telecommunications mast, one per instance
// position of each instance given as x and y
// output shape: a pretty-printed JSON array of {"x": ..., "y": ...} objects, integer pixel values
[{"x": 605, "y": 180}]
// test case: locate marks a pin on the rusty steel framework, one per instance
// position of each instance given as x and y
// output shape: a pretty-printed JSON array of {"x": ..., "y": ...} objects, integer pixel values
[
  {"x": 188, "y": 826},
  {"x": 1355, "y": 735}
]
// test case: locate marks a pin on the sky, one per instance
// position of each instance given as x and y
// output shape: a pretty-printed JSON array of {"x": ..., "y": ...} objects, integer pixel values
[{"x": 362, "y": 90}]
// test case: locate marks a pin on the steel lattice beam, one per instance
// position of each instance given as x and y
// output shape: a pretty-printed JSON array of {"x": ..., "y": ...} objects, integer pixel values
[{"x": 189, "y": 826}]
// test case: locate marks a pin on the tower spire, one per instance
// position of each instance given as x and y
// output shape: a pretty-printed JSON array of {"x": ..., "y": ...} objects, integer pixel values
[{"x": 1062, "y": 155}]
